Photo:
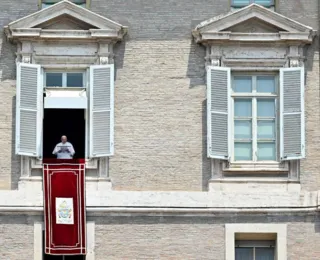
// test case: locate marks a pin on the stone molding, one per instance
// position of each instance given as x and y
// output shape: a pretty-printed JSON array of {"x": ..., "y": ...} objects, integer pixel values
[
  {"x": 217, "y": 29},
  {"x": 96, "y": 27}
]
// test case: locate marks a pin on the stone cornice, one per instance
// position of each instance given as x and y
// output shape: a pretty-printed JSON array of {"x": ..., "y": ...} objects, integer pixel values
[
  {"x": 31, "y": 26},
  {"x": 215, "y": 201},
  {"x": 217, "y": 29}
]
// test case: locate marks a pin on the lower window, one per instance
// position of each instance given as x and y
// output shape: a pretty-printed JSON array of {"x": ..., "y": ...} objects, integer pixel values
[
  {"x": 256, "y": 241},
  {"x": 254, "y": 250}
]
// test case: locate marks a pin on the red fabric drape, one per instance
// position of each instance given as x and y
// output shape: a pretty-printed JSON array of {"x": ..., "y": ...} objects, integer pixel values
[{"x": 64, "y": 207}]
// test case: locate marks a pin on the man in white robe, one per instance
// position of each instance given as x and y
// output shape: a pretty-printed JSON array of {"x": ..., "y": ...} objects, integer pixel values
[{"x": 64, "y": 150}]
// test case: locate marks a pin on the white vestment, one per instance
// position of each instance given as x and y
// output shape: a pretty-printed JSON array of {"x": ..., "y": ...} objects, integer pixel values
[{"x": 64, "y": 150}]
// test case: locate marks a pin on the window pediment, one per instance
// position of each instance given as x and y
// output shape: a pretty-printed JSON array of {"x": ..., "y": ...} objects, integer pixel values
[
  {"x": 65, "y": 20},
  {"x": 251, "y": 24}
]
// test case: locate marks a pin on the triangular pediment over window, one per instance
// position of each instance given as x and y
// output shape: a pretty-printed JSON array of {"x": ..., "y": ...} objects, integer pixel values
[
  {"x": 65, "y": 20},
  {"x": 253, "y": 23}
]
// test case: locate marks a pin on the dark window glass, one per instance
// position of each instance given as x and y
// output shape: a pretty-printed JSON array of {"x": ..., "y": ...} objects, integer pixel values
[
  {"x": 244, "y": 253},
  {"x": 74, "y": 80},
  {"x": 54, "y": 79},
  {"x": 264, "y": 253}
]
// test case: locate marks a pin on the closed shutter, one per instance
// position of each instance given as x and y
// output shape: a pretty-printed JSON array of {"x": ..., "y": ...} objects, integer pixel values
[
  {"x": 101, "y": 110},
  {"x": 218, "y": 105},
  {"x": 292, "y": 124},
  {"x": 29, "y": 110}
]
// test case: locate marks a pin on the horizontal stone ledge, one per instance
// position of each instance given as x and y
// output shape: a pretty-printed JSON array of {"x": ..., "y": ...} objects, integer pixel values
[{"x": 96, "y": 211}]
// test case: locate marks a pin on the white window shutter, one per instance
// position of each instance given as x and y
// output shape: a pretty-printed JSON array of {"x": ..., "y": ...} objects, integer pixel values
[
  {"x": 101, "y": 107},
  {"x": 29, "y": 101},
  {"x": 218, "y": 109},
  {"x": 292, "y": 122}
]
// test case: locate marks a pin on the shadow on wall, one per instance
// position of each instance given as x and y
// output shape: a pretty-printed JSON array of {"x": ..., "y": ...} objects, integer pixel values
[
  {"x": 206, "y": 165},
  {"x": 197, "y": 75},
  {"x": 196, "y": 71},
  {"x": 15, "y": 159},
  {"x": 119, "y": 51},
  {"x": 309, "y": 52},
  {"x": 218, "y": 219},
  {"x": 7, "y": 59}
]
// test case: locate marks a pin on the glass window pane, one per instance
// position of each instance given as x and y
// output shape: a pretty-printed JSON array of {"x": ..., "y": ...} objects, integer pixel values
[
  {"x": 264, "y": 2},
  {"x": 242, "y": 84},
  {"x": 50, "y": 1},
  {"x": 244, "y": 253},
  {"x": 242, "y": 129},
  {"x": 56, "y": 1},
  {"x": 264, "y": 253},
  {"x": 240, "y": 2},
  {"x": 266, "y": 84},
  {"x": 242, "y": 151},
  {"x": 266, "y": 151},
  {"x": 266, "y": 107},
  {"x": 74, "y": 79},
  {"x": 242, "y": 107},
  {"x": 266, "y": 129},
  {"x": 54, "y": 79}
]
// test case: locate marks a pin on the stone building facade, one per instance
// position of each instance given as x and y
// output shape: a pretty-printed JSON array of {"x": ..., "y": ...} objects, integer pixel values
[{"x": 197, "y": 167}]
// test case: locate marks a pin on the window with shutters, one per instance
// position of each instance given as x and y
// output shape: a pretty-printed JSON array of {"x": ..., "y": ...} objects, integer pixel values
[
  {"x": 254, "y": 117},
  {"x": 47, "y": 3},
  {"x": 49, "y": 105}
]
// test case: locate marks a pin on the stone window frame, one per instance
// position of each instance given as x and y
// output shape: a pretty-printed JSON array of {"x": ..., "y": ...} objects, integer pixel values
[
  {"x": 216, "y": 35},
  {"x": 31, "y": 35},
  {"x": 38, "y": 228},
  {"x": 280, "y": 230}
]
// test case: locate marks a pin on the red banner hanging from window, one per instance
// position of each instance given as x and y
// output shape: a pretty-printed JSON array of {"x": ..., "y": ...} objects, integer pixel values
[{"x": 64, "y": 207}]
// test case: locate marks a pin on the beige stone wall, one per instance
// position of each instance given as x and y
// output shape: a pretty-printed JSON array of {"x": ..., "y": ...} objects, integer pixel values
[
  {"x": 159, "y": 118},
  {"x": 16, "y": 238},
  {"x": 310, "y": 177},
  {"x": 194, "y": 238}
]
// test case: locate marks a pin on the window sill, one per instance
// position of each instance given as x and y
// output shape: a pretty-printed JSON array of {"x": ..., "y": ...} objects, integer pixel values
[
  {"x": 261, "y": 167},
  {"x": 90, "y": 163}
]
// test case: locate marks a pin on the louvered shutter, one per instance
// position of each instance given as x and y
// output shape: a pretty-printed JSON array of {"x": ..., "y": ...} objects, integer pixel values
[
  {"x": 29, "y": 101},
  {"x": 101, "y": 110},
  {"x": 292, "y": 124},
  {"x": 218, "y": 106}
]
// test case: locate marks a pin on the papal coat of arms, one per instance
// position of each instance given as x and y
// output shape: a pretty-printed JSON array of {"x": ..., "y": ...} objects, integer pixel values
[{"x": 64, "y": 211}]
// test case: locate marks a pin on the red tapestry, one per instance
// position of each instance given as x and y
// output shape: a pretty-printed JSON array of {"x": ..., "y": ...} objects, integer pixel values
[{"x": 64, "y": 207}]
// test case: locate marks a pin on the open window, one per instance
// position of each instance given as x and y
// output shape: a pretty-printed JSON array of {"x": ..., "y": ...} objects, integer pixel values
[
  {"x": 57, "y": 105},
  {"x": 69, "y": 122}
]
